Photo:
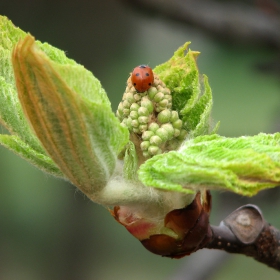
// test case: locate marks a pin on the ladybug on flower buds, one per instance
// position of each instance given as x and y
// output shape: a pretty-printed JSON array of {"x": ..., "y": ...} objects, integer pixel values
[{"x": 142, "y": 78}]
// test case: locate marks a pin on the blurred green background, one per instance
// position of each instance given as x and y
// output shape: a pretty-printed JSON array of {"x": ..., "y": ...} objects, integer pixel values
[{"x": 48, "y": 229}]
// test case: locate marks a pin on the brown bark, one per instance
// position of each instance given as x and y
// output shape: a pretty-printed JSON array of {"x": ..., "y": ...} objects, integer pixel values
[{"x": 246, "y": 232}]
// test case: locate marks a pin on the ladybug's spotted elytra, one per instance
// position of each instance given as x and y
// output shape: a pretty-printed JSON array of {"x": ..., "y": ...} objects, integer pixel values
[{"x": 142, "y": 78}]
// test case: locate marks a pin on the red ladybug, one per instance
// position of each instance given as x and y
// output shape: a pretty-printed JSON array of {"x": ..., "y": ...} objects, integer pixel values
[{"x": 142, "y": 78}]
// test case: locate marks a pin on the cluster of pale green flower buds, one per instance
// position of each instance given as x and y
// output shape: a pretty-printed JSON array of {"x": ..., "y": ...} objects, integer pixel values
[{"x": 149, "y": 115}]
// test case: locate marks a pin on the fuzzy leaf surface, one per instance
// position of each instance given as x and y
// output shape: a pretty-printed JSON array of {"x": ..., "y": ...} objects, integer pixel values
[
  {"x": 191, "y": 93},
  {"x": 243, "y": 165},
  {"x": 23, "y": 141},
  {"x": 43, "y": 162},
  {"x": 70, "y": 114},
  {"x": 11, "y": 114}
]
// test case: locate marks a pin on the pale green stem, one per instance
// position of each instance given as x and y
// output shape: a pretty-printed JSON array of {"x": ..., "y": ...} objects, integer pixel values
[{"x": 120, "y": 191}]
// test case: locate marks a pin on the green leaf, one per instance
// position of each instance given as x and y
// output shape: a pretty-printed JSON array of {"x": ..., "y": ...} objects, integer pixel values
[
  {"x": 180, "y": 74},
  {"x": 191, "y": 93},
  {"x": 11, "y": 114},
  {"x": 41, "y": 161},
  {"x": 9, "y": 34},
  {"x": 66, "y": 106},
  {"x": 243, "y": 165},
  {"x": 197, "y": 119},
  {"x": 70, "y": 115}
]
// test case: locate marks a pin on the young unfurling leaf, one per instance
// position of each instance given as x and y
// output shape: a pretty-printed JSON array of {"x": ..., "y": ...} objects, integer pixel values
[
  {"x": 78, "y": 130},
  {"x": 244, "y": 165}
]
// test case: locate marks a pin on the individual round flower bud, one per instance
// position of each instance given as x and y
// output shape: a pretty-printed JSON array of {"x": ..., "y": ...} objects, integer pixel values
[
  {"x": 147, "y": 135},
  {"x": 153, "y": 150},
  {"x": 159, "y": 151},
  {"x": 152, "y": 92},
  {"x": 183, "y": 134},
  {"x": 158, "y": 97},
  {"x": 135, "y": 123},
  {"x": 163, "y": 103},
  {"x": 177, "y": 124},
  {"x": 142, "y": 127},
  {"x": 159, "y": 109},
  {"x": 126, "y": 104},
  {"x": 146, "y": 154},
  {"x": 128, "y": 123},
  {"x": 168, "y": 97},
  {"x": 156, "y": 82},
  {"x": 145, "y": 145},
  {"x": 155, "y": 140},
  {"x": 159, "y": 87},
  {"x": 166, "y": 90},
  {"x": 164, "y": 116},
  {"x": 120, "y": 107},
  {"x": 136, "y": 130},
  {"x": 124, "y": 121},
  {"x": 133, "y": 114},
  {"x": 142, "y": 111},
  {"x": 143, "y": 119},
  {"x": 145, "y": 102},
  {"x": 176, "y": 132},
  {"x": 123, "y": 125},
  {"x": 129, "y": 97},
  {"x": 169, "y": 128},
  {"x": 119, "y": 114},
  {"x": 137, "y": 97},
  {"x": 134, "y": 107},
  {"x": 163, "y": 134},
  {"x": 153, "y": 127},
  {"x": 126, "y": 112},
  {"x": 174, "y": 116}
]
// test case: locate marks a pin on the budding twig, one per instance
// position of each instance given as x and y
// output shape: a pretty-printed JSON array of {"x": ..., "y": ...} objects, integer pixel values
[{"x": 246, "y": 232}]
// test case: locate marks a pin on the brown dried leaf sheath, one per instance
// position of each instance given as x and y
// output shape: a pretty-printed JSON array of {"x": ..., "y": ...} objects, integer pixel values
[{"x": 191, "y": 224}]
